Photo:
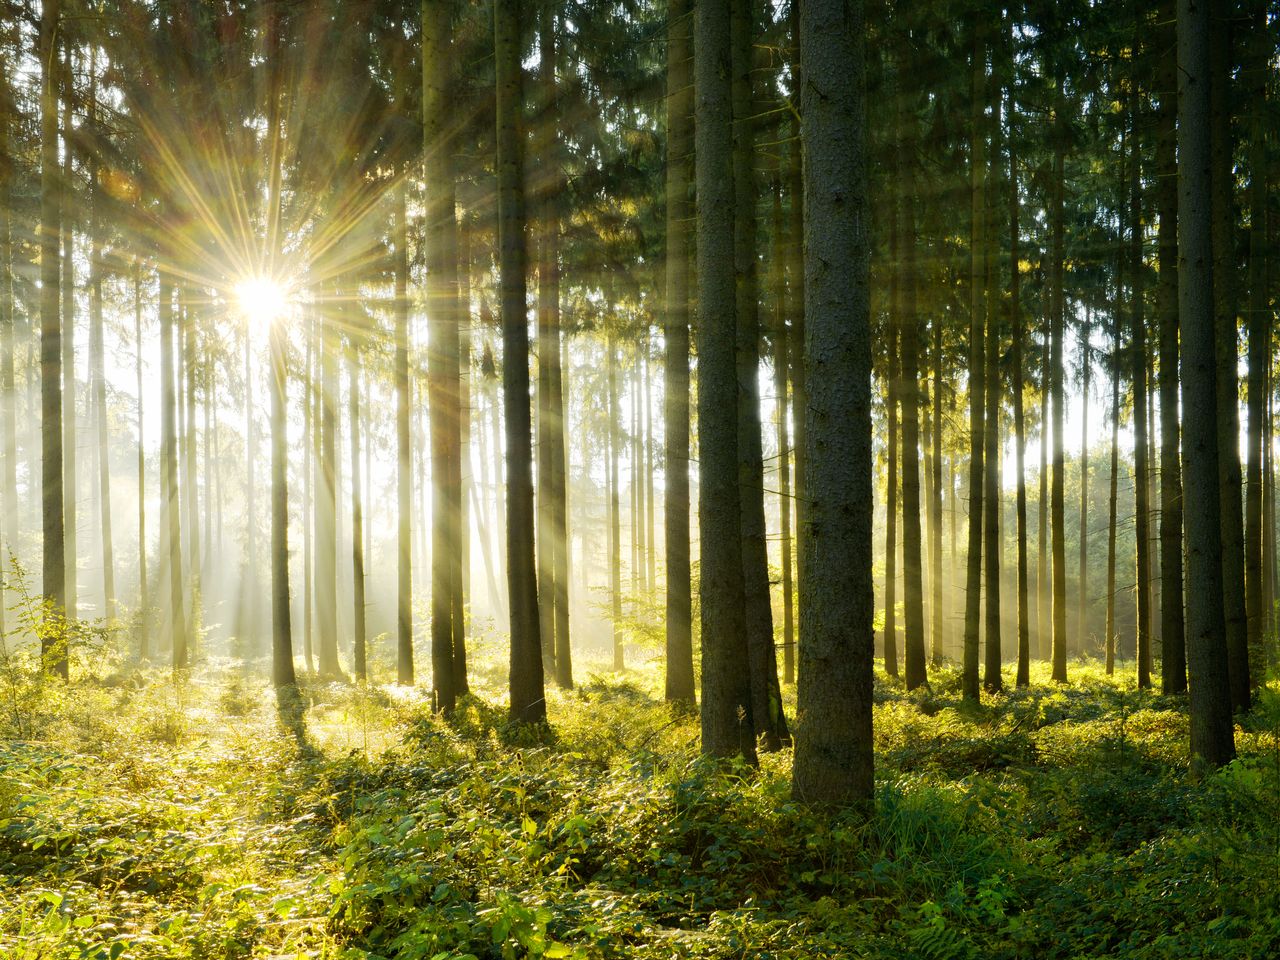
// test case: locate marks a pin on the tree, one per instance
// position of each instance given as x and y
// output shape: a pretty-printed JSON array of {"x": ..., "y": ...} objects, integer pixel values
[
  {"x": 977, "y": 357},
  {"x": 1173, "y": 673},
  {"x": 680, "y": 108},
  {"x": 833, "y": 755},
  {"x": 727, "y": 724},
  {"x": 679, "y": 602},
  {"x": 1212, "y": 738},
  {"x": 528, "y": 702},
  {"x": 404, "y": 449},
  {"x": 54, "y": 656},
  {"x": 442, "y": 359},
  {"x": 1057, "y": 311}
]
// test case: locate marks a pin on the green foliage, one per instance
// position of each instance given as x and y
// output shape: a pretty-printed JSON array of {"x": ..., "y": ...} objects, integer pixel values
[{"x": 152, "y": 820}]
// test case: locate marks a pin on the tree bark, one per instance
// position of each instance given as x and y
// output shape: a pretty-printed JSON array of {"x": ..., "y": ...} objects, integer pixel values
[
  {"x": 679, "y": 601},
  {"x": 727, "y": 725},
  {"x": 833, "y": 756},
  {"x": 442, "y": 358},
  {"x": 1212, "y": 734},
  {"x": 977, "y": 359},
  {"x": 1057, "y": 319},
  {"x": 53, "y": 653},
  {"x": 528, "y": 703},
  {"x": 404, "y": 447},
  {"x": 1226, "y": 308},
  {"x": 1173, "y": 673}
]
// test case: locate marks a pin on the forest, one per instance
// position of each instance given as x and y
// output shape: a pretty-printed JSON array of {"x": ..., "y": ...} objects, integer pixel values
[{"x": 486, "y": 479}]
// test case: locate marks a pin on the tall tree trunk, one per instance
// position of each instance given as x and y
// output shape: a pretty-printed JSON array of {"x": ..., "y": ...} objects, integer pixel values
[
  {"x": 9, "y": 507},
  {"x": 1057, "y": 319},
  {"x": 770, "y": 724},
  {"x": 937, "y": 651},
  {"x": 1112, "y": 496},
  {"x": 553, "y": 594},
  {"x": 53, "y": 653},
  {"x": 893, "y": 447},
  {"x": 169, "y": 474},
  {"x": 991, "y": 679},
  {"x": 442, "y": 358},
  {"x": 1259, "y": 336},
  {"x": 1086, "y": 361},
  {"x": 282, "y": 670},
  {"x": 1043, "y": 628},
  {"x": 191, "y": 368},
  {"x": 1019, "y": 423},
  {"x": 912, "y": 566},
  {"x": 360, "y": 652},
  {"x": 144, "y": 599},
  {"x": 326, "y": 515},
  {"x": 833, "y": 756},
  {"x": 70, "y": 488},
  {"x": 679, "y": 653},
  {"x": 1138, "y": 361},
  {"x": 615, "y": 510},
  {"x": 308, "y": 501},
  {"x": 1212, "y": 734},
  {"x": 781, "y": 364},
  {"x": 462, "y": 515},
  {"x": 98, "y": 371},
  {"x": 795, "y": 266},
  {"x": 727, "y": 725},
  {"x": 251, "y": 611},
  {"x": 528, "y": 703},
  {"x": 1173, "y": 674},
  {"x": 977, "y": 358},
  {"x": 404, "y": 448},
  {"x": 1222, "y": 147}
]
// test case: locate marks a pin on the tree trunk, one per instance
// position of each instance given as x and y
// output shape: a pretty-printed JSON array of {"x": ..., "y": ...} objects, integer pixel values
[
  {"x": 308, "y": 501},
  {"x": 796, "y": 307},
  {"x": 1112, "y": 504},
  {"x": 144, "y": 600},
  {"x": 360, "y": 652},
  {"x": 1086, "y": 361},
  {"x": 1225, "y": 306},
  {"x": 770, "y": 724},
  {"x": 282, "y": 671},
  {"x": 679, "y": 653},
  {"x": 833, "y": 756},
  {"x": 727, "y": 724},
  {"x": 1259, "y": 338},
  {"x": 912, "y": 566},
  {"x": 53, "y": 653},
  {"x": 70, "y": 488},
  {"x": 1043, "y": 628},
  {"x": 615, "y": 511},
  {"x": 781, "y": 364},
  {"x": 97, "y": 373},
  {"x": 442, "y": 358},
  {"x": 169, "y": 475},
  {"x": 553, "y": 594},
  {"x": 528, "y": 703},
  {"x": 9, "y": 506},
  {"x": 991, "y": 679},
  {"x": 937, "y": 653},
  {"x": 1212, "y": 734},
  {"x": 1173, "y": 674},
  {"x": 464, "y": 480},
  {"x": 1019, "y": 424},
  {"x": 326, "y": 514},
  {"x": 1138, "y": 362},
  {"x": 1057, "y": 319},
  {"x": 893, "y": 447},
  {"x": 977, "y": 360},
  {"x": 404, "y": 448}
]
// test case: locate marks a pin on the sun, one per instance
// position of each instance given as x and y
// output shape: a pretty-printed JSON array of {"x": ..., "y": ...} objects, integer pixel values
[{"x": 262, "y": 300}]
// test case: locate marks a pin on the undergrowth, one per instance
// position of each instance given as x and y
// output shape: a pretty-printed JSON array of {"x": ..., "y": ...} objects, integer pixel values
[{"x": 143, "y": 818}]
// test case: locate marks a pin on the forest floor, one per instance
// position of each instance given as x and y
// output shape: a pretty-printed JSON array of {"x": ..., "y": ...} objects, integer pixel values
[{"x": 144, "y": 819}]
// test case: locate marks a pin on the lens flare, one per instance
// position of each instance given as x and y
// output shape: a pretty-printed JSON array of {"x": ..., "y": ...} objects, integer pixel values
[{"x": 262, "y": 301}]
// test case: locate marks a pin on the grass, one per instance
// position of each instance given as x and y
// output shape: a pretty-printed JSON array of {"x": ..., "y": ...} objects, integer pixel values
[{"x": 144, "y": 819}]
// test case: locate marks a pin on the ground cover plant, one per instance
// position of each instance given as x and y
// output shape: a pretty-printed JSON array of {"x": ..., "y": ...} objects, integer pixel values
[{"x": 142, "y": 818}]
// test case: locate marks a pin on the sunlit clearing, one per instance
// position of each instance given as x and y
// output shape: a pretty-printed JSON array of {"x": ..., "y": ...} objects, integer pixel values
[{"x": 262, "y": 301}]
